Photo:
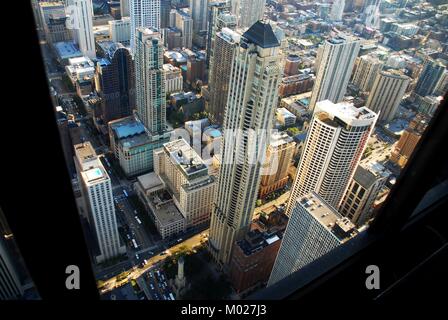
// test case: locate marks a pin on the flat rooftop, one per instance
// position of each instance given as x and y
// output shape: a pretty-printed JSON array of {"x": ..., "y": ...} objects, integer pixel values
[
  {"x": 346, "y": 112},
  {"x": 150, "y": 181},
  {"x": 280, "y": 138},
  {"x": 327, "y": 216},
  {"x": 184, "y": 156},
  {"x": 167, "y": 213},
  {"x": 85, "y": 151},
  {"x": 67, "y": 50}
]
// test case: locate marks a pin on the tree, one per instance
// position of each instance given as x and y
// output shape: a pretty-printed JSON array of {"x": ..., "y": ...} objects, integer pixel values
[{"x": 293, "y": 131}]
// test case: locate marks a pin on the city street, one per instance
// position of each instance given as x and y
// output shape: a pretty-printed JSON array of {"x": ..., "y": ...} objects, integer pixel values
[{"x": 134, "y": 272}]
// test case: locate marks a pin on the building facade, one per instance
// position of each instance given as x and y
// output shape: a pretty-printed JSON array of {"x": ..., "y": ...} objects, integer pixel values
[
  {"x": 120, "y": 30},
  {"x": 83, "y": 31},
  {"x": 97, "y": 192},
  {"x": 278, "y": 160},
  {"x": 143, "y": 13},
  {"x": 366, "y": 71},
  {"x": 253, "y": 94},
  {"x": 336, "y": 140},
  {"x": 248, "y": 11},
  {"x": 173, "y": 79},
  {"x": 362, "y": 192},
  {"x": 334, "y": 65},
  {"x": 225, "y": 44},
  {"x": 386, "y": 94},
  {"x": 187, "y": 178},
  {"x": 115, "y": 83},
  {"x": 429, "y": 78},
  {"x": 314, "y": 228}
]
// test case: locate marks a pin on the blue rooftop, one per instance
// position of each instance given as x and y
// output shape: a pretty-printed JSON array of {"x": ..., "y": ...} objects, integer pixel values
[
  {"x": 129, "y": 129},
  {"x": 67, "y": 49}
]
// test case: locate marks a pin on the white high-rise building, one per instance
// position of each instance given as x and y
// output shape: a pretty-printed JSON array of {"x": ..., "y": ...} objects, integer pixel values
[
  {"x": 143, "y": 13},
  {"x": 336, "y": 140},
  {"x": 124, "y": 8},
  {"x": 335, "y": 62},
  {"x": 198, "y": 10},
  {"x": 120, "y": 30},
  {"x": 150, "y": 87},
  {"x": 83, "y": 30},
  {"x": 255, "y": 76},
  {"x": 314, "y": 229},
  {"x": 97, "y": 192},
  {"x": 337, "y": 10},
  {"x": 150, "y": 79},
  {"x": 248, "y": 11}
]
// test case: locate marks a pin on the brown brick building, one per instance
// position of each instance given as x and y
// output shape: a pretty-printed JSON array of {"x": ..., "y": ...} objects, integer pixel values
[
  {"x": 254, "y": 256},
  {"x": 295, "y": 84},
  {"x": 408, "y": 140}
]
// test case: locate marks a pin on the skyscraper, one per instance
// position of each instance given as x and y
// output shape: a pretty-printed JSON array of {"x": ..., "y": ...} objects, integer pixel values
[
  {"x": 386, "y": 94},
  {"x": 198, "y": 10},
  {"x": 248, "y": 11},
  {"x": 115, "y": 83},
  {"x": 150, "y": 85},
  {"x": 143, "y": 13},
  {"x": 253, "y": 89},
  {"x": 225, "y": 44},
  {"x": 165, "y": 8},
  {"x": 181, "y": 20},
  {"x": 124, "y": 8},
  {"x": 83, "y": 30},
  {"x": 337, "y": 9},
  {"x": 336, "y": 58},
  {"x": 429, "y": 78},
  {"x": 97, "y": 192},
  {"x": 314, "y": 229},
  {"x": 366, "y": 72},
  {"x": 336, "y": 140},
  {"x": 219, "y": 17}
]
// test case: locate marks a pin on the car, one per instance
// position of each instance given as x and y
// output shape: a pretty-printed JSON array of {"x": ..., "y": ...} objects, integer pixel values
[
  {"x": 145, "y": 261},
  {"x": 137, "y": 257}
]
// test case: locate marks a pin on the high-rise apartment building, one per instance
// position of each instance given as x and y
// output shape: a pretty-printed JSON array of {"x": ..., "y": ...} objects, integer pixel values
[
  {"x": 429, "y": 77},
  {"x": 366, "y": 71},
  {"x": 336, "y": 140},
  {"x": 186, "y": 175},
  {"x": 219, "y": 17},
  {"x": 314, "y": 229},
  {"x": 387, "y": 91},
  {"x": 124, "y": 8},
  {"x": 143, "y": 13},
  {"x": 362, "y": 191},
  {"x": 173, "y": 78},
  {"x": 335, "y": 61},
  {"x": 120, "y": 30},
  {"x": 115, "y": 83},
  {"x": 83, "y": 29},
  {"x": 225, "y": 44},
  {"x": 405, "y": 146},
  {"x": 165, "y": 8},
  {"x": 150, "y": 86},
  {"x": 253, "y": 92},
  {"x": 337, "y": 10},
  {"x": 198, "y": 10},
  {"x": 97, "y": 192},
  {"x": 181, "y": 20},
  {"x": 278, "y": 160},
  {"x": 248, "y": 11}
]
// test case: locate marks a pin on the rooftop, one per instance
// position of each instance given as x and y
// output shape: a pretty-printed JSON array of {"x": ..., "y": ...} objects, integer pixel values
[
  {"x": 327, "y": 216},
  {"x": 127, "y": 127},
  {"x": 183, "y": 155},
  {"x": 150, "y": 181},
  {"x": 85, "y": 151},
  {"x": 346, "y": 112},
  {"x": 367, "y": 175},
  {"x": 280, "y": 138},
  {"x": 261, "y": 34}
]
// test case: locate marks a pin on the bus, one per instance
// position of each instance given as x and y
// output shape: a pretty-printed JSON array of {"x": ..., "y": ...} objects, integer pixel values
[
  {"x": 125, "y": 193},
  {"x": 138, "y": 220},
  {"x": 134, "y": 243},
  {"x": 171, "y": 296}
]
